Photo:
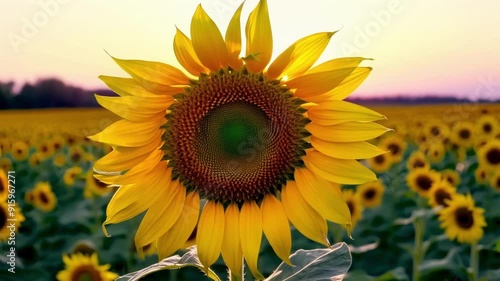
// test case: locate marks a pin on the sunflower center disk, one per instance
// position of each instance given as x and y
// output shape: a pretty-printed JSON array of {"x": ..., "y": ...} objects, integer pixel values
[{"x": 235, "y": 136}]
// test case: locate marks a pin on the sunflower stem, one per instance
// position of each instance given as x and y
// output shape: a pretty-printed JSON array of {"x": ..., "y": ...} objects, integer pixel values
[
  {"x": 234, "y": 277},
  {"x": 474, "y": 261},
  {"x": 419, "y": 225}
]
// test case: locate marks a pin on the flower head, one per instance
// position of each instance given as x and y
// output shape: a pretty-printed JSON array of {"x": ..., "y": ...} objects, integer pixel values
[
  {"x": 462, "y": 220},
  {"x": 264, "y": 143},
  {"x": 81, "y": 267}
]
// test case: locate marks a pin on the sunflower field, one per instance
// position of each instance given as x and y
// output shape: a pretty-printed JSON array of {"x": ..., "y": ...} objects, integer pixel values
[{"x": 432, "y": 215}]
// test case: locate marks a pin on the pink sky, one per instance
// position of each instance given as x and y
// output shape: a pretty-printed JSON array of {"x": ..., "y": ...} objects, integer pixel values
[{"x": 449, "y": 47}]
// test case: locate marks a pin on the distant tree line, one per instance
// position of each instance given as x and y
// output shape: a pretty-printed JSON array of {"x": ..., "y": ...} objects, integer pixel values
[
  {"x": 52, "y": 92},
  {"x": 46, "y": 93}
]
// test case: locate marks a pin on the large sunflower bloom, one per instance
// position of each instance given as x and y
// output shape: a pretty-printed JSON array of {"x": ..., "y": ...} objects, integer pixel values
[
  {"x": 263, "y": 144},
  {"x": 81, "y": 267},
  {"x": 462, "y": 220}
]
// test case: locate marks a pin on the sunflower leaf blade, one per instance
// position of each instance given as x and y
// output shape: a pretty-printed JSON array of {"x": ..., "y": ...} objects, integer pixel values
[
  {"x": 173, "y": 262},
  {"x": 315, "y": 265}
]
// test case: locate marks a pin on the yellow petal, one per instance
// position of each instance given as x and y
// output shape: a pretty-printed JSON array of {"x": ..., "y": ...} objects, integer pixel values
[
  {"x": 131, "y": 200},
  {"x": 124, "y": 158},
  {"x": 207, "y": 41},
  {"x": 300, "y": 56},
  {"x": 259, "y": 38},
  {"x": 343, "y": 171},
  {"x": 161, "y": 216},
  {"x": 347, "y": 132},
  {"x": 231, "y": 245},
  {"x": 137, "y": 109},
  {"x": 276, "y": 227},
  {"x": 251, "y": 235},
  {"x": 130, "y": 87},
  {"x": 335, "y": 111},
  {"x": 155, "y": 77},
  {"x": 346, "y": 150},
  {"x": 210, "y": 233},
  {"x": 302, "y": 215},
  {"x": 129, "y": 134},
  {"x": 349, "y": 84},
  {"x": 338, "y": 63},
  {"x": 233, "y": 40},
  {"x": 344, "y": 89},
  {"x": 176, "y": 236},
  {"x": 185, "y": 54},
  {"x": 318, "y": 83},
  {"x": 325, "y": 197},
  {"x": 135, "y": 174}
]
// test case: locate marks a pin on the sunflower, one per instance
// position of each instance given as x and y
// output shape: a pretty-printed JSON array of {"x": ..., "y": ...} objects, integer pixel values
[
  {"x": 5, "y": 144},
  {"x": 5, "y": 164},
  {"x": 380, "y": 163},
  {"x": 421, "y": 180},
  {"x": 495, "y": 180},
  {"x": 370, "y": 193},
  {"x": 417, "y": 160},
  {"x": 45, "y": 148},
  {"x": 80, "y": 267},
  {"x": 354, "y": 204},
  {"x": 8, "y": 212},
  {"x": 36, "y": 158},
  {"x": 57, "y": 142},
  {"x": 29, "y": 197},
  {"x": 59, "y": 160},
  {"x": 440, "y": 192},
  {"x": 94, "y": 186},
  {"x": 44, "y": 198},
  {"x": 395, "y": 145},
  {"x": 462, "y": 220},
  {"x": 435, "y": 151},
  {"x": 71, "y": 175},
  {"x": 462, "y": 134},
  {"x": 436, "y": 130},
  {"x": 76, "y": 154},
  {"x": 487, "y": 125},
  {"x": 482, "y": 175},
  {"x": 262, "y": 144},
  {"x": 489, "y": 155},
  {"x": 19, "y": 151},
  {"x": 4, "y": 185},
  {"x": 451, "y": 176}
]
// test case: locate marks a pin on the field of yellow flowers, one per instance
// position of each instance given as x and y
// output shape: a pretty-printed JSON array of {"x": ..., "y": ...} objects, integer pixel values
[{"x": 432, "y": 215}]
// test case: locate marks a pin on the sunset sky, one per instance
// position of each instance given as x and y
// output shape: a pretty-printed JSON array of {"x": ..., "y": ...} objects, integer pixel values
[{"x": 419, "y": 47}]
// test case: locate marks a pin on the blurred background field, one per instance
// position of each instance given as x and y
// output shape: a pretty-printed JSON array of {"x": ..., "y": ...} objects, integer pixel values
[{"x": 62, "y": 206}]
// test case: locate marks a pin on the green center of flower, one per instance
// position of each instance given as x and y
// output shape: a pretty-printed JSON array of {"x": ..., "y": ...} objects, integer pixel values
[
  {"x": 235, "y": 136},
  {"x": 237, "y": 125}
]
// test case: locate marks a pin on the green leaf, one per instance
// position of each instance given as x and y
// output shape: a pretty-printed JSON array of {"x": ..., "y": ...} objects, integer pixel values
[
  {"x": 397, "y": 274},
  {"x": 174, "y": 262},
  {"x": 318, "y": 264}
]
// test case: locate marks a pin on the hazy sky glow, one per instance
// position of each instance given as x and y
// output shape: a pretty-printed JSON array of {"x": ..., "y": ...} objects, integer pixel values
[{"x": 447, "y": 46}]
